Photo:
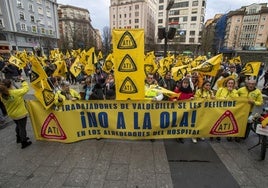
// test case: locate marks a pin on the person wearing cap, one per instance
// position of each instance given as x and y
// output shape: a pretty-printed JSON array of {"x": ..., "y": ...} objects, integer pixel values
[
  {"x": 254, "y": 96},
  {"x": 66, "y": 93}
]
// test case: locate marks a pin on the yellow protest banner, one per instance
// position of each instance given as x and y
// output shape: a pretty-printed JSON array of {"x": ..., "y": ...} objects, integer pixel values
[
  {"x": 133, "y": 120},
  {"x": 128, "y": 52}
]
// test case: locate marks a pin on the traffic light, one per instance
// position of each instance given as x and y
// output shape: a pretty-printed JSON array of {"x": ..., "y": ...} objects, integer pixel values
[
  {"x": 161, "y": 33},
  {"x": 171, "y": 33}
]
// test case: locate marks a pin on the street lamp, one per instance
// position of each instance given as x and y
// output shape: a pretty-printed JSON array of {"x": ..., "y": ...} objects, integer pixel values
[
  {"x": 169, "y": 6},
  {"x": 39, "y": 37}
]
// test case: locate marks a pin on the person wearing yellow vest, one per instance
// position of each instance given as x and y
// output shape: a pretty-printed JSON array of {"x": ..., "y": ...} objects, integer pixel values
[
  {"x": 254, "y": 96},
  {"x": 66, "y": 93},
  {"x": 13, "y": 100},
  {"x": 152, "y": 94}
]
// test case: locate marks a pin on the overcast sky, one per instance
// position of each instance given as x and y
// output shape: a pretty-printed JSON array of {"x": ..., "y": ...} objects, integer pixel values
[{"x": 99, "y": 9}]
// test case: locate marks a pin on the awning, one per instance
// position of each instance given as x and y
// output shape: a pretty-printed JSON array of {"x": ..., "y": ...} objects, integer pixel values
[{"x": 4, "y": 51}]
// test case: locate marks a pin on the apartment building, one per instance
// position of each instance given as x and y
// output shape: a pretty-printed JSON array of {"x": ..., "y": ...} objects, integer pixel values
[
  {"x": 135, "y": 14},
  {"x": 247, "y": 28},
  {"x": 76, "y": 30},
  {"x": 188, "y": 17},
  {"x": 28, "y": 25}
]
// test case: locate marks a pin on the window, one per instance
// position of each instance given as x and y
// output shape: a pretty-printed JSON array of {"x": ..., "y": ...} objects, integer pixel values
[
  {"x": 49, "y": 23},
  {"x": 136, "y": 20},
  {"x": 34, "y": 29},
  {"x": 161, "y": 7},
  {"x": 39, "y": 1},
  {"x": 184, "y": 18},
  {"x": 47, "y": 4},
  {"x": 160, "y": 14},
  {"x": 194, "y": 11},
  {"x": 43, "y": 31},
  {"x": 19, "y": 4},
  {"x": 136, "y": 14},
  {"x": 160, "y": 21},
  {"x": 136, "y": 7},
  {"x": 32, "y": 18},
  {"x": 192, "y": 32},
  {"x": 191, "y": 40},
  {"x": 195, "y": 3},
  {"x": 130, "y": 8},
  {"x": 161, "y": 1},
  {"x": 31, "y": 8},
  {"x": 48, "y": 13},
  {"x": 193, "y": 18},
  {"x": 22, "y": 16},
  {"x": 23, "y": 27},
  {"x": 50, "y": 32},
  {"x": 136, "y": 26},
  {"x": 1, "y": 23},
  {"x": 40, "y": 10}
]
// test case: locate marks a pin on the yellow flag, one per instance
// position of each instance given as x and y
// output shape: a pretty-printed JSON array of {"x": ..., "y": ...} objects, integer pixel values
[
  {"x": 108, "y": 64},
  {"x": 251, "y": 68},
  {"x": 91, "y": 60},
  {"x": 39, "y": 82},
  {"x": 68, "y": 55},
  {"x": 17, "y": 62},
  {"x": 164, "y": 91},
  {"x": 235, "y": 60},
  {"x": 100, "y": 56},
  {"x": 61, "y": 68},
  {"x": 178, "y": 72},
  {"x": 44, "y": 94},
  {"x": 76, "y": 67},
  {"x": 149, "y": 63},
  {"x": 210, "y": 67}
]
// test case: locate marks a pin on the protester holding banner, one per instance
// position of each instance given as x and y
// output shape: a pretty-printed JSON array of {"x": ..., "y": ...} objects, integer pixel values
[
  {"x": 13, "y": 100},
  {"x": 167, "y": 83},
  {"x": 205, "y": 92},
  {"x": 186, "y": 92},
  {"x": 151, "y": 93},
  {"x": 227, "y": 91},
  {"x": 109, "y": 87},
  {"x": 91, "y": 90},
  {"x": 254, "y": 96},
  {"x": 66, "y": 93}
]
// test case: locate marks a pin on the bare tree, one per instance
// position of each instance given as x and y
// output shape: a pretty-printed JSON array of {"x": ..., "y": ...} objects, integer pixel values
[{"x": 107, "y": 38}]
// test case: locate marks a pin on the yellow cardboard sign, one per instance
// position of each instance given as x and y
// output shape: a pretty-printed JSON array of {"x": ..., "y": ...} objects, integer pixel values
[{"x": 128, "y": 52}]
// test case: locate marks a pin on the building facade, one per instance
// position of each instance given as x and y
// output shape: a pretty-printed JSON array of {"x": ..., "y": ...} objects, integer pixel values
[
  {"x": 247, "y": 28},
  {"x": 28, "y": 25},
  {"x": 76, "y": 30},
  {"x": 135, "y": 14},
  {"x": 187, "y": 17}
]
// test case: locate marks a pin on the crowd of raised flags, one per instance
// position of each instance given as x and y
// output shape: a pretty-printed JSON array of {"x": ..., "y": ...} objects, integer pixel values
[{"x": 86, "y": 61}]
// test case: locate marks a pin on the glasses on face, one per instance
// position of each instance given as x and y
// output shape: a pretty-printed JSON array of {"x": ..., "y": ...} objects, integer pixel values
[{"x": 150, "y": 78}]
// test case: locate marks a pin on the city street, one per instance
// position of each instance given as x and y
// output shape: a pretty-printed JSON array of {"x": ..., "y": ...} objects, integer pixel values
[{"x": 121, "y": 163}]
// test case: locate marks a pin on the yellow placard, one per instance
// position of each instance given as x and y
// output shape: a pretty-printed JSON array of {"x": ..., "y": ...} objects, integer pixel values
[{"x": 128, "y": 52}]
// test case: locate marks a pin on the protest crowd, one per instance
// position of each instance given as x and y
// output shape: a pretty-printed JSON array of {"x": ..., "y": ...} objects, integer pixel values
[{"x": 181, "y": 77}]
